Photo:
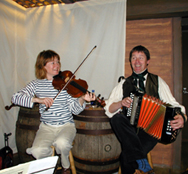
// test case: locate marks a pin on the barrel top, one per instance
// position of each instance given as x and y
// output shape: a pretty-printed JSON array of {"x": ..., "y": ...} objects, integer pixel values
[{"x": 93, "y": 112}]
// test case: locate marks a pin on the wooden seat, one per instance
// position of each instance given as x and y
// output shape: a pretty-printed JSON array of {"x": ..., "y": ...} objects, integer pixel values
[
  {"x": 149, "y": 160},
  {"x": 71, "y": 159}
]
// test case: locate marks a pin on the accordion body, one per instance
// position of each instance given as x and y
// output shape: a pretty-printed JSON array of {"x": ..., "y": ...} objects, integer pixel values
[{"x": 153, "y": 116}]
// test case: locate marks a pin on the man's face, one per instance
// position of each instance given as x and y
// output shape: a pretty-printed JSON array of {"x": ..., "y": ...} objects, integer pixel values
[{"x": 139, "y": 62}]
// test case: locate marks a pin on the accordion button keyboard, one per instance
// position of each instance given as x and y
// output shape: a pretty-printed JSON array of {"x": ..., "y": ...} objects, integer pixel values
[
  {"x": 168, "y": 129},
  {"x": 129, "y": 110}
]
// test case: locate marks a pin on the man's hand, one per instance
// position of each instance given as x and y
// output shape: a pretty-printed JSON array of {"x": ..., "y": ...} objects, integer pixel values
[
  {"x": 177, "y": 123},
  {"x": 126, "y": 102}
]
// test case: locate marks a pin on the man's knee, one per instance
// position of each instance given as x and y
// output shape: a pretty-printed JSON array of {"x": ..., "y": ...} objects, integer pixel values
[{"x": 117, "y": 118}]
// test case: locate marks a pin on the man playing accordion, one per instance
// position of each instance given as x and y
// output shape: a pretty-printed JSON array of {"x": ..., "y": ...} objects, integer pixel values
[{"x": 136, "y": 143}]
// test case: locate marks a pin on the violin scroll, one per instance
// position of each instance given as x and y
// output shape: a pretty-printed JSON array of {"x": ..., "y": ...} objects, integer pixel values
[{"x": 100, "y": 102}]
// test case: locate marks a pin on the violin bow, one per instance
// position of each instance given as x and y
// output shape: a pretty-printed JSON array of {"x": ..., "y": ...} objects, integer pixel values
[
  {"x": 78, "y": 68},
  {"x": 73, "y": 74}
]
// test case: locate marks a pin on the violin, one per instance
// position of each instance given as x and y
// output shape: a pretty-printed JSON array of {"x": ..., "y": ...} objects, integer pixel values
[
  {"x": 66, "y": 80},
  {"x": 74, "y": 87}
]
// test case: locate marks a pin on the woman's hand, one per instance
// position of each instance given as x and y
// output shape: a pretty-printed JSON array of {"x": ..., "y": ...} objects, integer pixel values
[
  {"x": 47, "y": 101},
  {"x": 87, "y": 97}
]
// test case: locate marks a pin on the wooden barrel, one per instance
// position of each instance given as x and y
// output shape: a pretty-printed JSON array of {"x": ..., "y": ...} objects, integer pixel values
[
  {"x": 96, "y": 149},
  {"x": 26, "y": 126}
]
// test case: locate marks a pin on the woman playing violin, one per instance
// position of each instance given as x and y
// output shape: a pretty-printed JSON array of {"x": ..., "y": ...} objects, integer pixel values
[{"x": 57, "y": 127}]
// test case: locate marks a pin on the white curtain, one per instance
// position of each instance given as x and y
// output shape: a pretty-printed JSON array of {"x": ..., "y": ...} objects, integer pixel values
[{"x": 72, "y": 31}]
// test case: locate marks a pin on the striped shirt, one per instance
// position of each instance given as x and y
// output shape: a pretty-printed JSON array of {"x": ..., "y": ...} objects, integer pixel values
[{"x": 62, "y": 109}]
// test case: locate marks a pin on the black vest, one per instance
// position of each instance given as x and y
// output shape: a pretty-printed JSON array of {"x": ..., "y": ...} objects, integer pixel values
[{"x": 151, "y": 87}]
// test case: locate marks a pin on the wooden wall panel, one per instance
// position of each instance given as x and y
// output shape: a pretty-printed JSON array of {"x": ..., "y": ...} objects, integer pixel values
[{"x": 157, "y": 36}]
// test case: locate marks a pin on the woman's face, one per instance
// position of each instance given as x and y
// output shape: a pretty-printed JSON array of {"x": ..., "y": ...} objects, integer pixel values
[
  {"x": 139, "y": 62},
  {"x": 52, "y": 68}
]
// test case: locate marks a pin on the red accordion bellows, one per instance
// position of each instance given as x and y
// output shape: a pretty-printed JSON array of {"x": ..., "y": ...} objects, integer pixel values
[{"x": 152, "y": 115}]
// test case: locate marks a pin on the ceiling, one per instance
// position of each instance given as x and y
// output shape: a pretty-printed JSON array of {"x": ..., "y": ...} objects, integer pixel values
[
  {"x": 38, "y": 3},
  {"x": 136, "y": 9}
]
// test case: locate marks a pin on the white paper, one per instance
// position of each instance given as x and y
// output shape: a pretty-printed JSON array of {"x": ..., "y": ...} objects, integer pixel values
[
  {"x": 40, "y": 166},
  {"x": 43, "y": 166}
]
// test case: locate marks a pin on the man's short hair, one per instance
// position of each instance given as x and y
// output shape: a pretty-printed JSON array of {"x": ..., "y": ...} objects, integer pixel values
[{"x": 140, "y": 48}]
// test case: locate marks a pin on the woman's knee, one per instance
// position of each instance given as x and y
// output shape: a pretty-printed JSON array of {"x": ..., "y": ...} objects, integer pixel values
[
  {"x": 41, "y": 152},
  {"x": 62, "y": 145}
]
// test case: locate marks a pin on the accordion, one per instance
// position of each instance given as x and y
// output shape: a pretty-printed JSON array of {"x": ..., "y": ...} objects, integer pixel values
[{"x": 153, "y": 116}]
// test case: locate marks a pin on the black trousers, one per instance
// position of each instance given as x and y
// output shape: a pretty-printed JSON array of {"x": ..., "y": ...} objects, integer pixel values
[{"x": 135, "y": 143}]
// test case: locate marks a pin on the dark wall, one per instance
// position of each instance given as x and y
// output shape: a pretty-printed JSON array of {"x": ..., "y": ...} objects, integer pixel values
[
  {"x": 185, "y": 70},
  {"x": 147, "y": 9}
]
